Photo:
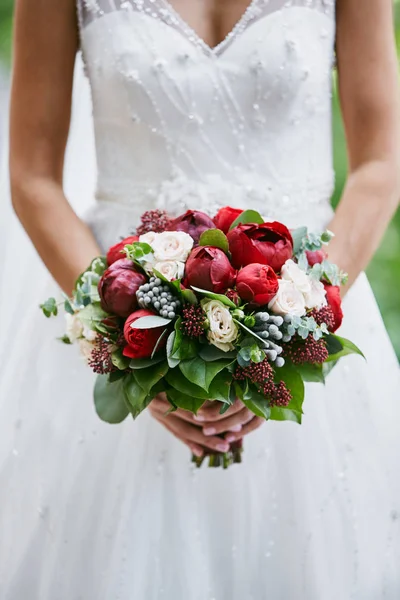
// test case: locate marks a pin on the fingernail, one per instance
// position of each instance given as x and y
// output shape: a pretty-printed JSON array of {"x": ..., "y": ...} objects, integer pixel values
[
  {"x": 197, "y": 452},
  {"x": 198, "y": 418},
  {"x": 223, "y": 447},
  {"x": 209, "y": 430},
  {"x": 236, "y": 428},
  {"x": 230, "y": 438}
]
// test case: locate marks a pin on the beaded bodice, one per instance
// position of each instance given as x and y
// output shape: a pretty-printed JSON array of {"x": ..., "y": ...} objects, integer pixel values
[{"x": 179, "y": 124}]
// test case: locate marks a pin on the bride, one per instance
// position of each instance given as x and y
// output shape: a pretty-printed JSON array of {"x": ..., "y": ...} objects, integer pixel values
[{"x": 199, "y": 103}]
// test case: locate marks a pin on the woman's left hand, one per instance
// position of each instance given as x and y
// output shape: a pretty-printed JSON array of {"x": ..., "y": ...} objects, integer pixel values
[{"x": 234, "y": 425}]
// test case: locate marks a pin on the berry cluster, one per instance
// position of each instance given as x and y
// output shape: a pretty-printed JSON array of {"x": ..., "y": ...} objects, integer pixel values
[
  {"x": 158, "y": 296},
  {"x": 100, "y": 358},
  {"x": 153, "y": 220},
  {"x": 268, "y": 327},
  {"x": 324, "y": 315},
  {"x": 309, "y": 351},
  {"x": 262, "y": 375},
  {"x": 193, "y": 321}
]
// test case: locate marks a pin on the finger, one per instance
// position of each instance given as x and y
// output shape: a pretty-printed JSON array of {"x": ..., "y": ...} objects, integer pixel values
[
  {"x": 193, "y": 434},
  {"x": 255, "y": 423},
  {"x": 210, "y": 411},
  {"x": 163, "y": 406},
  {"x": 196, "y": 450},
  {"x": 234, "y": 423}
]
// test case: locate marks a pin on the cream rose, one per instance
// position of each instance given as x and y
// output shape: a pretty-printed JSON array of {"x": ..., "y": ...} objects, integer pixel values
[
  {"x": 171, "y": 269},
  {"x": 86, "y": 348},
  {"x": 148, "y": 238},
  {"x": 89, "y": 334},
  {"x": 288, "y": 301},
  {"x": 316, "y": 298},
  {"x": 292, "y": 272},
  {"x": 172, "y": 245},
  {"x": 222, "y": 328},
  {"x": 74, "y": 327}
]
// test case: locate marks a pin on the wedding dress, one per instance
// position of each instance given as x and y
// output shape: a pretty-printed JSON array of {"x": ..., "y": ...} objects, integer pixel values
[{"x": 90, "y": 511}]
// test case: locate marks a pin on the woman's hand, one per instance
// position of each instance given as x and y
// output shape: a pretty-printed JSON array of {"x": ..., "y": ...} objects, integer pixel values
[{"x": 202, "y": 431}]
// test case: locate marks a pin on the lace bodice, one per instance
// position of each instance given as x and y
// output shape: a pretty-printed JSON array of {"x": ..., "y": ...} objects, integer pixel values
[{"x": 178, "y": 123}]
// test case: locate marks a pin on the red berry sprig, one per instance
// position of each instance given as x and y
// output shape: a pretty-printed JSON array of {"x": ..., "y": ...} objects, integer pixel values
[
  {"x": 153, "y": 220},
  {"x": 193, "y": 319}
]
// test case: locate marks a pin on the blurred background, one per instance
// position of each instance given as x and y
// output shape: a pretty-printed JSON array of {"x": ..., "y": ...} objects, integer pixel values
[{"x": 384, "y": 271}]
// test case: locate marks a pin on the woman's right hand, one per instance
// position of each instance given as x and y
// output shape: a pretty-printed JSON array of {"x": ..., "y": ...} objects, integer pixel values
[{"x": 201, "y": 433}]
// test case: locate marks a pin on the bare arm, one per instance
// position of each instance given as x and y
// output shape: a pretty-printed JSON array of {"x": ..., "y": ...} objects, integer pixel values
[
  {"x": 368, "y": 84},
  {"x": 44, "y": 55}
]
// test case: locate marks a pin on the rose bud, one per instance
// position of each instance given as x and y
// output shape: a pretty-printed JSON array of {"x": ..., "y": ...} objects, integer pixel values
[
  {"x": 118, "y": 287},
  {"x": 141, "y": 342},
  {"x": 193, "y": 222},
  {"x": 334, "y": 300},
  {"x": 209, "y": 268},
  {"x": 116, "y": 252},
  {"x": 257, "y": 283},
  {"x": 316, "y": 257},
  {"x": 268, "y": 244},
  {"x": 225, "y": 217}
]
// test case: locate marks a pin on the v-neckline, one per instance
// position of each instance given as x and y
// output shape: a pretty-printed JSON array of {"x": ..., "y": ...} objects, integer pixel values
[{"x": 220, "y": 47}]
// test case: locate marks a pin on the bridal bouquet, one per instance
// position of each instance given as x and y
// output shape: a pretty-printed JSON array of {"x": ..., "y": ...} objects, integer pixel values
[{"x": 208, "y": 308}]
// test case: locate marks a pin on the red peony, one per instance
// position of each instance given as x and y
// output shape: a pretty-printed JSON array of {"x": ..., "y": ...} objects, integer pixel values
[
  {"x": 257, "y": 283},
  {"x": 141, "y": 342},
  {"x": 193, "y": 222},
  {"x": 225, "y": 217},
  {"x": 316, "y": 257},
  {"x": 116, "y": 252},
  {"x": 268, "y": 244},
  {"x": 209, "y": 268},
  {"x": 334, "y": 300},
  {"x": 118, "y": 287}
]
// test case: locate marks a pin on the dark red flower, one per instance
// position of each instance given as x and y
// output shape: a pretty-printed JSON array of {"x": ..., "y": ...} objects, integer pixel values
[
  {"x": 141, "y": 342},
  {"x": 193, "y": 222},
  {"x": 316, "y": 257},
  {"x": 209, "y": 268},
  {"x": 268, "y": 244},
  {"x": 225, "y": 217},
  {"x": 118, "y": 287},
  {"x": 257, "y": 283},
  {"x": 334, "y": 300},
  {"x": 116, "y": 252}
]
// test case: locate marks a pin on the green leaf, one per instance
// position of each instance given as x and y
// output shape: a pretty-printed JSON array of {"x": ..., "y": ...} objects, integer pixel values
[
  {"x": 147, "y": 378},
  {"x": 295, "y": 384},
  {"x": 119, "y": 360},
  {"x": 150, "y": 322},
  {"x": 158, "y": 342},
  {"x": 91, "y": 315},
  {"x": 333, "y": 344},
  {"x": 184, "y": 401},
  {"x": 110, "y": 400},
  {"x": 209, "y": 353},
  {"x": 247, "y": 216},
  {"x": 137, "y": 398},
  {"x": 143, "y": 363},
  {"x": 178, "y": 381},
  {"x": 298, "y": 236},
  {"x": 347, "y": 347},
  {"x": 249, "y": 331},
  {"x": 183, "y": 347},
  {"x": 223, "y": 299},
  {"x": 173, "y": 362},
  {"x": 65, "y": 339},
  {"x": 200, "y": 372},
  {"x": 312, "y": 373},
  {"x": 220, "y": 388},
  {"x": 49, "y": 307},
  {"x": 116, "y": 375},
  {"x": 215, "y": 238},
  {"x": 68, "y": 306},
  {"x": 257, "y": 403},
  {"x": 189, "y": 297},
  {"x": 97, "y": 266}
]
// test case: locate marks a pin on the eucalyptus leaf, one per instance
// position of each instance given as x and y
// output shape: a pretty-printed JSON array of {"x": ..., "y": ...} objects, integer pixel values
[
  {"x": 298, "y": 236},
  {"x": 215, "y": 238},
  {"x": 91, "y": 315},
  {"x": 220, "y": 297},
  {"x": 49, "y": 308},
  {"x": 68, "y": 307},
  {"x": 109, "y": 400},
  {"x": 150, "y": 322},
  {"x": 247, "y": 216}
]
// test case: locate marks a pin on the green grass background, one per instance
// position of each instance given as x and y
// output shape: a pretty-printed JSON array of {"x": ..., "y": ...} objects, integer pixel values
[{"x": 384, "y": 271}]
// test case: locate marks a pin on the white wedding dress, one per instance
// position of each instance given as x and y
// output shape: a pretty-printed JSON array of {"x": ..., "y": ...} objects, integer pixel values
[{"x": 90, "y": 511}]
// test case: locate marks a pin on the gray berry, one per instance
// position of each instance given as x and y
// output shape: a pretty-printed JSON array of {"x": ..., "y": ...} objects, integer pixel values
[
  {"x": 139, "y": 294},
  {"x": 287, "y": 318},
  {"x": 157, "y": 305},
  {"x": 164, "y": 294},
  {"x": 147, "y": 300},
  {"x": 155, "y": 290},
  {"x": 171, "y": 315},
  {"x": 286, "y": 338},
  {"x": 157, "y": 281},
  {"x": 279, "y": 362},
  {"x": 264, "y": 335},
  {"x": 163, "y": 301},
  {"x": 150, "y": 294},
  {"x": 272, "y": 355},
  {"x": 146, "y": 287}
]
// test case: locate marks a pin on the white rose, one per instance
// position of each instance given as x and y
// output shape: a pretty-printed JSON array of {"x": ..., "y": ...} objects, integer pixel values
[
  {"x": 86, "y": 348},
  {"x": 74, "y": 328},
  {"x": 223, "y": 330},
  {"x": 316, "y": 298},
  {"x": 288, "y": 301},
  {"x": 171, "y": 269},
  {"x": 172, "y": 245},
  {"x": 148, "y": 238},
  {"x": 89, "y": 334},
  {"x": 292, "y": 272}
]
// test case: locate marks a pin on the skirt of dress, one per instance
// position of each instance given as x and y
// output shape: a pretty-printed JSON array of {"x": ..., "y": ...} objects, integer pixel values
[{"x": 90, "y": 511}]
